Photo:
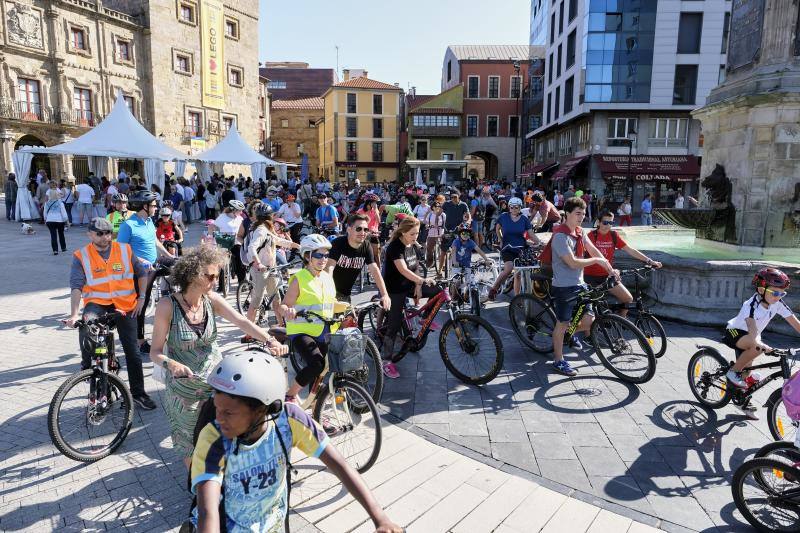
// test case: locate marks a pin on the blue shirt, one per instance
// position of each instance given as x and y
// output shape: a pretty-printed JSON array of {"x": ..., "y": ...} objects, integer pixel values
[
  {"x": 141, "y": 235},
  {"x": 647, "y": 206},
  {"x": 513, "y": 232},
  {"x": 275, "y": 203},
  {"x": 464, "y": 251},
  {"x": 325, "y": 213}
]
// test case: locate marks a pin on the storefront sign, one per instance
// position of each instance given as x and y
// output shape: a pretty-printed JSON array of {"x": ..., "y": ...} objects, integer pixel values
[
  {"x": 744, "y": 42},
  {"x": 212, "y": 41},
  {"x": 649, "y": 167}
]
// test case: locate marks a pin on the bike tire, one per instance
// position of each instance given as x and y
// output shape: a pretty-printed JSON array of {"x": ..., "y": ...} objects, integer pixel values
[
  {"x": 368, "y": 323},
  {"x": 370, "y": 376},
  {"x": 533, "y": 321},
  {"x": 781, "y": 426},
  {"x": 610, "y": 354},
  {"x": 453, "y": 364},
  {"x": 225, "y": 281},
  {"x": 756, "y": 468},
  {"x": 702, "y": 381},
  {"x": 653, "y": 332},
  {"x": 243, "y": 296},
  {"x": 54, "y": 414},
  {"x": 360, "y": 457}
]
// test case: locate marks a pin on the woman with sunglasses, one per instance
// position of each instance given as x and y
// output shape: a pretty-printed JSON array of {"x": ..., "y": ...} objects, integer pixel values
[
  {"x": 512, "y": 228},
  {"x": 310, "y": 289},
  {"x": 186, "y": 323}
]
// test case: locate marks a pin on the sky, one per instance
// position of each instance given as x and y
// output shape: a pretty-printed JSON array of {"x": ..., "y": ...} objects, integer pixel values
[{"x": 395, "y": 41}]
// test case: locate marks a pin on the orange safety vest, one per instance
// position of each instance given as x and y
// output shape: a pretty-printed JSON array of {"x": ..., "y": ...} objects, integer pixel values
[{"x": 108, "y": 282}]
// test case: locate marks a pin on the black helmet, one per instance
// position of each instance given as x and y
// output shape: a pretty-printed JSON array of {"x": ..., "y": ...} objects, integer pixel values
[
  {"x": 264, "y": 211},
  {"x": 140, "y": 198}
]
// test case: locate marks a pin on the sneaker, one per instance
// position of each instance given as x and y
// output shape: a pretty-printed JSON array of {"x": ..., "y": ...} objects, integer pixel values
[
  {"x": 575, "y": 343},
  {"x": 390, "y": 370},
  {"x": 144, "y": 401},
  {"x": 562, "y": 367},
  {"x": 145, "y": 348},
  {"x": 735, "y": 378},
  {"x": 435, "y": 326},
  {"x": 750, "y": 411},
  {"x": 329, "y": 428}
]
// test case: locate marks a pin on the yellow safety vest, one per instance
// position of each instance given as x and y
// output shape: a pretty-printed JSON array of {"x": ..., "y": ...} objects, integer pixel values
[
  {"x": 318, "y": 294},
  {"x": 117, "y": 219}
]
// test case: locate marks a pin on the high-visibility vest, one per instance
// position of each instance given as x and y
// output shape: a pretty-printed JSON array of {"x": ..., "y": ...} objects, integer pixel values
[
  {"x": 317, "y": 294},
  {"x": 116, "y": 218},
  {"x": 108, "y": 282}
]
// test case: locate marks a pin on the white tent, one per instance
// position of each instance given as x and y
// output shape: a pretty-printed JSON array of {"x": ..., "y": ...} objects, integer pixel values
[{"x": 233, "y": 149}]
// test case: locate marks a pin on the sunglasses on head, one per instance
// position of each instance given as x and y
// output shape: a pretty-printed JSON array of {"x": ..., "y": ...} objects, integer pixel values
[
  {"x": 318, "y": 255},
  {"x": 777, "y": 293}
]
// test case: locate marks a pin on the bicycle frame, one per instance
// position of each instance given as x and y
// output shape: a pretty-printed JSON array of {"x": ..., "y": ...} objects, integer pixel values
[{"x": 432, "y": 307}]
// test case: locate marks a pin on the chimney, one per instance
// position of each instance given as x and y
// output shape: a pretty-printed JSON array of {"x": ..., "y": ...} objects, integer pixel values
[{"x": 413, "y": 91}]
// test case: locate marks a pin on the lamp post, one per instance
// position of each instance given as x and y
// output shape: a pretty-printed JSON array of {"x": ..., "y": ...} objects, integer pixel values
[
  {"x": 516, "y": 133},
  {"x": 631, "y": 141}
]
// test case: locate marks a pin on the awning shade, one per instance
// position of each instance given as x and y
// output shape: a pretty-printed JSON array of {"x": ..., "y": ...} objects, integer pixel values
[
  {"x": 568, "y": 167},
  {"x": 649, "y": 167},
  {"x": 540, "y": 168},
  {"x": 233, "y": 149}
]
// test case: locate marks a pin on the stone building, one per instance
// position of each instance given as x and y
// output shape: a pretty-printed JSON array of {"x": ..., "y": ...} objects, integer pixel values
[
  {"x": 62, "y": 62},
  {"x": 294, "y": 130}
]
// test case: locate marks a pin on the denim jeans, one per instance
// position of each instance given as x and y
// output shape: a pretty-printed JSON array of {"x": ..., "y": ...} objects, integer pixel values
[
  {"x": 647, "y": 219},
  {"x": 10, "y": 209}
]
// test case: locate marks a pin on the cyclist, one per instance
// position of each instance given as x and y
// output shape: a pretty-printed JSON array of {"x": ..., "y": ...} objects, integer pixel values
[
  {"x": 370, "y": 209},
  {"x": 167, "y": 231},
  {"x": 608, "y": 241},
  {"x": 327, "y": 216},
  {"x": 456, "y": 213},
  {"x": 463, "y": 247},
  {"x": 743, "y": 332},
  {"x": 511, "y": 229},
  {"x": 435, "y": 224},
  {"x": 548, "y": 213},
  {"x": 392, "y": 210},
  {"x": 310, "y": 289},
  {"x": 102, "y": 274},
  {"x": 227, "y": 223},
  {"x": 349, "y": 253},
  {"x": 292, "y": 213},
  {"x": 242, "y": 457},
  {"x": 120, "y": 213}
]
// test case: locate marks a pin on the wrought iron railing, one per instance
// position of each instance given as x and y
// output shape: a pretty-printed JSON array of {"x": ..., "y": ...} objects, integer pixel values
[{"x": 30, "y": 112}]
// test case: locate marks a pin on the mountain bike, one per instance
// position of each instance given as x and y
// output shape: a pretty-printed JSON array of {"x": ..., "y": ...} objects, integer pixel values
[
  {"x": 706, "y": 372},
  {"x": 620, "y": 345},
  {"x": 469, "y": 346},
  {"x": 159, "y": 284},
  {"x": 225, "y": 241},
  {"x": 340, "y": 403},
  {"x": 91, "y": 413},
  {"x": 244, "y": 290},
  {"x": 470, "y": 286}
]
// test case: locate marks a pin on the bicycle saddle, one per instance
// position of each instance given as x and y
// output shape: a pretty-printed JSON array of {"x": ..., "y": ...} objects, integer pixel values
[{"x": 279, "y": 334}]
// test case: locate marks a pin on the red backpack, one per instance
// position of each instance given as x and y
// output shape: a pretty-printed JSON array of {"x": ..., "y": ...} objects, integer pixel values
[{"x": 546, "y": 257}]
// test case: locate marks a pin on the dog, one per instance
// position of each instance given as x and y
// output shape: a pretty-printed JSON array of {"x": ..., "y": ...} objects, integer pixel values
[{"x": 27, "y": 229}]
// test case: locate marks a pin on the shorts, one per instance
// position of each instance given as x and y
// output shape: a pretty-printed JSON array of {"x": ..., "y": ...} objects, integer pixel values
[
  {"x": 731, "y": 336},
  {"x": 594, "y": 281},
  {"x": 263, "y": 285},
  {"x": 564, "y": 300},
  {"x": 509, "y": 254},
  {"x": 477, "y": 226}
]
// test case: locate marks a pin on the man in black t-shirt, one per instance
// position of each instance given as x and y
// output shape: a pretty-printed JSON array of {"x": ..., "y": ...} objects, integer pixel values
[
  {"x": 456, "y": 213},
  {"x": 349, "y": 254}
]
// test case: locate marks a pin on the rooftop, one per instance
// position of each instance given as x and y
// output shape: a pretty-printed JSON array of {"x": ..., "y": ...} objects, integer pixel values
[
  {"x": 299, "y": 103},
  {"x": 365, "y": 83},
  {"x": 491, "y": 52}
]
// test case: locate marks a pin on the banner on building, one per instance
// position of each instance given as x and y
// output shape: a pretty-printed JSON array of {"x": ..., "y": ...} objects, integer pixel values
[
  {"x": 212, "y": 27},
  {"x": 197, "y": 145}
]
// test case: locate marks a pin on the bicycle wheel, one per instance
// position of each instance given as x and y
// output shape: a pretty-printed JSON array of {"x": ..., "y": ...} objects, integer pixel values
[
  {"x": 243, "y": 296},
  {"x": 90, "y": 415},
  {"x": 781, "y": 425},
  {"x": 533, "y": 322},
  {"x": 653, "y": 332},
  {"x": 706, "y": 372},
  {"x": 767, "y": 493},
  {"x": 225, "y": 280},
  {"x": 356, "y": 435},
  {"x": 368, "y": 322},
  {"x": 474, "y": 351},
  {"x": 370, "y": 376},
  {"x": 623, "y": 349}
]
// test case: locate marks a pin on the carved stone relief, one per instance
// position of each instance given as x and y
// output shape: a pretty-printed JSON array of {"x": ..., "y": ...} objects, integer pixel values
[{"x": 24, "y": 25}]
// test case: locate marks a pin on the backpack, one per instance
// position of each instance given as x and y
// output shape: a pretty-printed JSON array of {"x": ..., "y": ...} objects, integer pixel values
[
  {"x": 480, "y": 211},
  {"x": 243, "y": 255},
  {"x": 546, "y": 257},
  {"x": 593, "y": 237}
]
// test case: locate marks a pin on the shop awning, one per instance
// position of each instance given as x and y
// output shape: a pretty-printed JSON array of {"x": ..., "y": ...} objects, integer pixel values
[
  {"x": 652, "y": 168},
  {"x": 567, "y": 168},
  {"x": 540, "y": 168}
]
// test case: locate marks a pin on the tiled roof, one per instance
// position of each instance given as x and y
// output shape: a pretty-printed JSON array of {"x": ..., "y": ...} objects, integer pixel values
[
  {"x": 300, "y": 103},
  {"x": 435, "y": 111},
  {"x": 489, "y": 52},
  {"x": 365, "y": 83},
  {"x": 419, "y": 99}
]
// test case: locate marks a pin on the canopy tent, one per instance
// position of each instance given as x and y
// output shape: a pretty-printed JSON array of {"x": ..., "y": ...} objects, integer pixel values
[
  {"x": 120, "y": 135},
  {"x": 233, "y": 149}
]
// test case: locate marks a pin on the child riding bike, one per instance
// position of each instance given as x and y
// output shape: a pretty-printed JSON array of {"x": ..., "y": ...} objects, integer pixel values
[{"x": 743, "y": 332}]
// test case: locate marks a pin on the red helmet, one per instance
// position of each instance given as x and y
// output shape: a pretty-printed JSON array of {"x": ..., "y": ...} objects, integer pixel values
[{"x": 771, "y": 277}]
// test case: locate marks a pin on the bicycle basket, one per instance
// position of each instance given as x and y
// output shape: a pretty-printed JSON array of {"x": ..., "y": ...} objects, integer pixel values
[
  {"x": 225, "y": 240},
  {"x": 346, "y": 350}
]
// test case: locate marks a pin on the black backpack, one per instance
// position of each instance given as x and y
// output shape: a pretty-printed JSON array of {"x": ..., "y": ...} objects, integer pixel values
[{"x": 480, "y": 212}]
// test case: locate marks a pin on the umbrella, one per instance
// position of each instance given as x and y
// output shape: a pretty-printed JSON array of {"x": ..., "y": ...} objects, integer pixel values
[
  {"x": 418, "y": 182},
  {"x": 443, "y": 180},
  {"x": 304, "y": 167}
]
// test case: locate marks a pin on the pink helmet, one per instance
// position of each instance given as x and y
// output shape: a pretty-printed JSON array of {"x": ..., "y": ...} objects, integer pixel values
[{"x": 791, "y": 396}]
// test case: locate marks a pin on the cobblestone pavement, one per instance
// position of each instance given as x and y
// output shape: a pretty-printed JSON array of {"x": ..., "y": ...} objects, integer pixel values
[{"x": 648, "y": 453}]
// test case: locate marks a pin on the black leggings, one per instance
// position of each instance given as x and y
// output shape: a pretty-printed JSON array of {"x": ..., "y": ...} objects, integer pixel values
[
  {"x": 313, "y": 353},
  {"x": 394, "y": 318},
  {"x": 57, "y": 227}
]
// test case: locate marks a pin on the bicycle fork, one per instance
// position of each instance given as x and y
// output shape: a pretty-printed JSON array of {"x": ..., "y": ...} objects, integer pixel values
[{"x": 340, "y": 405}]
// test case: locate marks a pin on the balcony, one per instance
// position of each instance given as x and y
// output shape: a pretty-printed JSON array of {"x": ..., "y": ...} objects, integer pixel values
[
  {"x": 435, "y": 131},
  {"x": 190, "y": 132},
  {"x": 27, "y": 112}
]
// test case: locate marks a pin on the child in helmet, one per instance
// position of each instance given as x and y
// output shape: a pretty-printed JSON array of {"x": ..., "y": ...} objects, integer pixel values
[
  {"x": 243, "y": 455},
  {"x": 743, "y": 332},
  {"x": 463, "y": 247}
]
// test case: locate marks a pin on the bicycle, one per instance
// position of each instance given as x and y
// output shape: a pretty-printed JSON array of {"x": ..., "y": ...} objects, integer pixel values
[
  {"x": 226, "y": 241},
  {"x": 93, "y": 400},
  {"x": 465, "y": 329},
  {"x": 470, "y": 288},
  {"x": 614, "y": 338},
  {"x": 706, "y": 373},
  {"x": 244, "y": 290},
  {"x": 159, "y": 285},
  {"x": 340, "y": 403}
]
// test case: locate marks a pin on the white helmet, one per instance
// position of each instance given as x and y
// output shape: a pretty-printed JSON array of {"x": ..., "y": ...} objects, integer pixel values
[
  {"x": 515, "y": 201},
  {"x": 236, "y": 204},
  {"x": 251, "y": 374},
  {"x": 312, "y": 242}
]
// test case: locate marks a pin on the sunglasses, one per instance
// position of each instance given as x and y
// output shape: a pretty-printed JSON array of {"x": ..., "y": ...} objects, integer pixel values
[
  {"x": 606, "y": 222},
  {"x": 317, "y": 255},
  {"x": 361, "y": 229},
  {"x": 212, "y": 277},
  {"x": 166, "y": 216},
  {"x": 465, "y": 234},
  {"x": 776, "y": 293},
  {"x": 102, "y": 233}
]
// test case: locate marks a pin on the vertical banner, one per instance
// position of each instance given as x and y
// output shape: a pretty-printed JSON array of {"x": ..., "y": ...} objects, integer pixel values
[{"x": 212, "y": 36}]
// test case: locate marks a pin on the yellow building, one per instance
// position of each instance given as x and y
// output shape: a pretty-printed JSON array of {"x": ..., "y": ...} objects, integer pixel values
[{"x": 359, "y": 134}]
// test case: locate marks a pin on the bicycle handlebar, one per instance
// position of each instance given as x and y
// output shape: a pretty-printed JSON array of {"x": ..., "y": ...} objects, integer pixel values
[
  {"x": 106, "y": 319},
  {"x": 637, "y": 271}
]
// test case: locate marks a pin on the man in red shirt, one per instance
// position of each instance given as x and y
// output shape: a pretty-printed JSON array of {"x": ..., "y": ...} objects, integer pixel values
[
  {"x": 548, "y": 212},
  {"x": 608, "y": 241}
]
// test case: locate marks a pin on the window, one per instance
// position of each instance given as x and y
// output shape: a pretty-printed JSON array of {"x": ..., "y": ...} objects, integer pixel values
[
  {"x": 553, "y": 27},
  {"x": 551, "y": 147},
  {"x": 186, "y": 13},
  {"x": 130, "y": 103},
  {"x": 726, "y": 28},
  {"x": 448, "y": 156},
  {"x": 569, "y": 89},
  {"x": 352, "y": 151},
  {"x": 573, "y": 9},
  {"x": 583, "y": 136},
  {"x": 312, "y": 123},
  {"x": 276, "y": 84},
  {"x": 619, "y": 129},
  {"x": 183, "y": 64},
  {"x": 534, "y": 122},
  {"x": 377, "y": 104},
  {"x": 549, "y": 103},
  {"x": 351, "y": 102},
  {"x": 377, "y": 151},
  {"x": 82, "y": 104},
  {"x": 227, "y": 124},
  {"x": 491, "y": 125},
  {"x": 721, "y": 77},
  {"x": 193, "y": 124},
  {"x": 689, "y": 33},
  {"x": 516, "y": 86},
  {"x": 558, "y": 62},
  {"x": 561, "y": 18},
  {"x": 284, "y": 123},
  {"x": 277, "y": 149},
  {"x": 570, "y": 49},
  {"x": 235, "y": 77},
  {"x": 513, "y": 125},
  {"x": 472, "y": 126},
  {"x": 494, "y": 87},
  {"x": 377, "y": 128},
  {"x": 473, "y": 87},
  {"x": 29, "y": 99},
  {"x": 540, "y": 151},
  {"x": 668, "y": 132},
  {"x": 352, "y": 127},
  {"x": 557, "y": 109},
  {"x": 685, "y": 85},
  {"x": 124, "y": 50},
  {"x": 565, "y": 142},
  {"x": 231, "y": 28},
  {"x": 449, "y": 70},
  {"x": 78, "y": 39},
  {"x": 370, "y": 175},
  {"x": 550, "y": 69},
  {"x": 422, "y": 150}
]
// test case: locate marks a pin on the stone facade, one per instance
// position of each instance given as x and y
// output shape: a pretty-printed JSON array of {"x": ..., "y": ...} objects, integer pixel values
[{"x": 294, "y": 130}]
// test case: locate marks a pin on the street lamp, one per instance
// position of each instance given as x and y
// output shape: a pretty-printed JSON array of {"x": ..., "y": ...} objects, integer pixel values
[
  {"x": 516, "y": 133},
  {"x": 631, "y": 140}
]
